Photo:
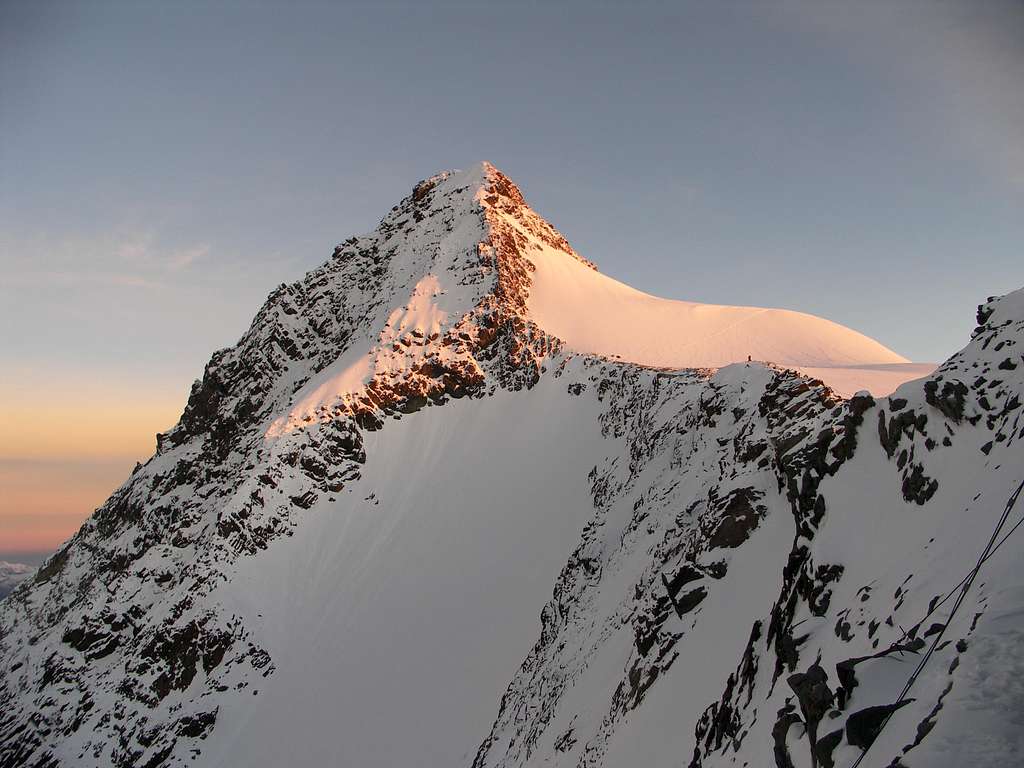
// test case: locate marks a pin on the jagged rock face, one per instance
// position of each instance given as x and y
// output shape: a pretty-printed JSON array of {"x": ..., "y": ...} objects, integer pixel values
[{"x": 368, "y": 499}]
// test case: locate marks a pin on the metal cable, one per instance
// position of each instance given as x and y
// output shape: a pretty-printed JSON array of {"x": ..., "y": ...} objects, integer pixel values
[{"x": 964, "y": 586}]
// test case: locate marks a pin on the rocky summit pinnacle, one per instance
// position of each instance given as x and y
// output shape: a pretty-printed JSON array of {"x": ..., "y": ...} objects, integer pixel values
[{"x": 457, "y": 498}]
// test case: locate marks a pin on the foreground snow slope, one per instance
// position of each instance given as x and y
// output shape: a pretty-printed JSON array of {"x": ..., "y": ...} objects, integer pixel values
[
  {"x": 398, "y": 611},
  {"x": 404, "y": 522}
]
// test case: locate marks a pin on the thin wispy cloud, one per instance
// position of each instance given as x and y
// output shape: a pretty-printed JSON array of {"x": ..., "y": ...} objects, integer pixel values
[
  {"x": 145, "y": 250},
  {"x": 186, "y": 258},
  {"x": 128, "y": 261}
]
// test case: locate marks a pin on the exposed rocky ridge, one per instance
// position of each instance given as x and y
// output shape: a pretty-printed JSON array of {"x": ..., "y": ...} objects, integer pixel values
[
  {"x": 711, "y": 480},
  {"x": 708, "y": 456},
  {"x": 973, "y": 398}
]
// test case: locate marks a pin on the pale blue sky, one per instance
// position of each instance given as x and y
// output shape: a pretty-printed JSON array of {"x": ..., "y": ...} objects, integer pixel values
[{"x": 165, "y": 164}]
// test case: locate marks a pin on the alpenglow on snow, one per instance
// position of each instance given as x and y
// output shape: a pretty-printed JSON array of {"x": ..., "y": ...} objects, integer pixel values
[{"x": 458, "y": 499}]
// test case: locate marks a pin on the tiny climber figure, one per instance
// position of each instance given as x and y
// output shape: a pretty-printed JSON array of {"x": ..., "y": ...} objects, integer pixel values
[{"x": 748, "y": 358}]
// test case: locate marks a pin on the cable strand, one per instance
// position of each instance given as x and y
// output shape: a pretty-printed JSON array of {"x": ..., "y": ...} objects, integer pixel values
[{"x": 964, "y": 586}]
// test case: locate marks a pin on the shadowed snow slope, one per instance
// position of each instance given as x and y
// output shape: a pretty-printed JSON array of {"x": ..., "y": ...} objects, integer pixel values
[{"x": 411, "y": 599}]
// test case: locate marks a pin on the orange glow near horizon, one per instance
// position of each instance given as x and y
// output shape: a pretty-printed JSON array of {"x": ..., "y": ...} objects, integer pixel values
[
  {"x": 45, "y": 502},
  {"x": 65, "y": 447}
]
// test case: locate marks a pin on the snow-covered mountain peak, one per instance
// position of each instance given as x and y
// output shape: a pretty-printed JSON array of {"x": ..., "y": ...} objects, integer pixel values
[
  {"x": 444, "y": 286},
  {"x": 455, "y": 426},
  {"x": 543, "y": 280},
  {"x": 464, "y": 263}
]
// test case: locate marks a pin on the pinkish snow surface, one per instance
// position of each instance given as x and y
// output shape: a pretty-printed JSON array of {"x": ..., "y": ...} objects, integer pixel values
[{"x": 595, "y": 313}]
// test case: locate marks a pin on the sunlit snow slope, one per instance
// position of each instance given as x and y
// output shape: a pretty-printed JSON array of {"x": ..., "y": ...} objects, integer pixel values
[{"x": 594, "y": 313}]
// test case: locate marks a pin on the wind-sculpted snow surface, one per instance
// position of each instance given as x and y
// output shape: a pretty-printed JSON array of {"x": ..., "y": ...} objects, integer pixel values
[{"x": 340, "y": 553}]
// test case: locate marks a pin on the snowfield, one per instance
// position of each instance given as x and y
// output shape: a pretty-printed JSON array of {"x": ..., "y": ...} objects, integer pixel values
[
  {"x": 410, "y": 600},
  {"x": 457, "y": 499},
  {"x": 594, "y": 313}
]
